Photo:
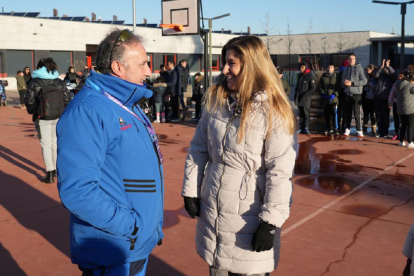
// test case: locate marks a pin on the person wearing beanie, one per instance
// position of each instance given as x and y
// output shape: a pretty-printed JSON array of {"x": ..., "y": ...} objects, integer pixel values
[
  {"x": 303, "y": 93},
  {"x": 353, "y": 80}
]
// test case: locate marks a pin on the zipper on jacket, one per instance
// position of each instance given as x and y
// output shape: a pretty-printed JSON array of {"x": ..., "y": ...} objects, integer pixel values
[
  {"x": 219, "y": 189},
  {"x": 132, "y": 244},
  {"x": 159, "y": 170}
]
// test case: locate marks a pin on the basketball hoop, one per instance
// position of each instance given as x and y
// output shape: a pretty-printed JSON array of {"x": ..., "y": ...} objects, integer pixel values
[{"x": 176, "y": 27}]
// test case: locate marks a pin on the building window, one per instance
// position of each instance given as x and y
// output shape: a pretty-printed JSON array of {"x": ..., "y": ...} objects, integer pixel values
[
  {"x": 314, "y": 61},
  {"x": 17, "y": 60},
  {"x": 194, "y": 62},
  {"x": 215, "y": 63},
  {"x": 149, "y": 56},
  {"x": 169, "y": 57},
  {"x": 63, "y": 60}
]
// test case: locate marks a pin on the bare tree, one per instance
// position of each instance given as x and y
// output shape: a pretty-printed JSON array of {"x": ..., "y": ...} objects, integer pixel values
[
  {"x": 325, "y": 46},
  {"x": 341, "y": 43},
  {"x": 353, "y": 46},
  {"x": 269, "y": 30},
  {"x": 310, "y": 40},
  {"x": 289, "y": 44}
]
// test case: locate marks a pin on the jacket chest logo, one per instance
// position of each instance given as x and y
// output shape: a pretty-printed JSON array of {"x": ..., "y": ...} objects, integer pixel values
[{"x": 124, "y": 125}]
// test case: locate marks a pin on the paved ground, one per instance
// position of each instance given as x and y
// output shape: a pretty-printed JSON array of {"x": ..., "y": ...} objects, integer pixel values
[{"x": 353, "y": 205}]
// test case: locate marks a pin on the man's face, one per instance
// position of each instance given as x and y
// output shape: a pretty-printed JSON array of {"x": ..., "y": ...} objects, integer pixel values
[
  {"x": 170, "y": 65},
  {"x": 352, "y": 60},
  {"x": 331, "y": 69},
  {"x": 302, "y": 68},
  {"x": 135, "y": 64},
  {"x": 184, "y": 64}
]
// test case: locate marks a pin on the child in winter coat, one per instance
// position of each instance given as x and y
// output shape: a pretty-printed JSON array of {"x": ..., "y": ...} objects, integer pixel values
[{"x": 160, "y": 87}]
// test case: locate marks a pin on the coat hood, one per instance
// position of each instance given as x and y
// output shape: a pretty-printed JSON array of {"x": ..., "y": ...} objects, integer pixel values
[
  {"x": 401, "y": 84},
  {"x": 43, "y": 74},
  {"x": 200, "y": 78},
  {"x": 127, "y": 92},
  {"x": 161, "y": 84}
]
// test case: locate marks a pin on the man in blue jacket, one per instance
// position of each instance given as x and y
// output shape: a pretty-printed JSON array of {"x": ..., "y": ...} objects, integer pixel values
[{"x": 110, "y": 174}]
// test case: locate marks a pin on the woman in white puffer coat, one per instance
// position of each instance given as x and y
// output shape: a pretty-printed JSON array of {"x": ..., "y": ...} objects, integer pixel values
[{"x": 238, "y": 171}]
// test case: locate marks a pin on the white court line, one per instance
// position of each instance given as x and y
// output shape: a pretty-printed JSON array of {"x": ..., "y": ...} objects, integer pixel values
[{"x": 327, "y": 206}]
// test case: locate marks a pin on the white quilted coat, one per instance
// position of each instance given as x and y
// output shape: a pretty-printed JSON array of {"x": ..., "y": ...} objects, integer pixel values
[{"x": 239, "y": 185}]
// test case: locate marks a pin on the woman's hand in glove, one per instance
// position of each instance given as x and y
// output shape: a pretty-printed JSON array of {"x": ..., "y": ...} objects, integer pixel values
[
  {"x": 192, "y": 206},
  {"x": 263, "y": 237}
]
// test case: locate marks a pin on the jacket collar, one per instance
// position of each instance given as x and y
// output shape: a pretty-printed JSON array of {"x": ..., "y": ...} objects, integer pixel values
[{"x": 127, "y": 92}]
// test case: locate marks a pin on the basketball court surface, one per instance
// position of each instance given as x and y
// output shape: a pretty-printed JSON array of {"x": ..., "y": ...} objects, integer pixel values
[{"x": 353, "y": 204}]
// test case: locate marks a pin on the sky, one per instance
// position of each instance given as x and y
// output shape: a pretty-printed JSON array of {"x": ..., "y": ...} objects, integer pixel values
[{"x": 326, "y": 15}]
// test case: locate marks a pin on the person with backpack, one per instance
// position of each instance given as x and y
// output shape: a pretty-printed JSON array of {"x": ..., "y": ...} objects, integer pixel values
[{"x": 46, "y": 98}]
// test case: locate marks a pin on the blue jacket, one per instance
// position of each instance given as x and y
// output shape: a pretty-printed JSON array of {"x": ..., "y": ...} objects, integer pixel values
[{"x": 109, "y": 176}]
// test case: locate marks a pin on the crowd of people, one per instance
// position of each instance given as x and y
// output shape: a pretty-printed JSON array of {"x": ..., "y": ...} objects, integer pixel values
[{"x": 373, "y": 90}]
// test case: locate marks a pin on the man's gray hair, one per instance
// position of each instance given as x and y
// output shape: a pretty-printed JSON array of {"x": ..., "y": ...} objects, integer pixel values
[{"x": 103, "y": 64}]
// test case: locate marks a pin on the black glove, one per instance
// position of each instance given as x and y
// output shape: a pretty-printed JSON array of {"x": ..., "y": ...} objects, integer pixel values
[
  {"x": 263, "y": 237},
  {"x": 406, "y": 271},
  {"x": 192, "y": 206}
]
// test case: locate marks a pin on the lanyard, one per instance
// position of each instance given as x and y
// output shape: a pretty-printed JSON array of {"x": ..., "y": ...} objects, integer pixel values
[{"x": 146, "y": 123}]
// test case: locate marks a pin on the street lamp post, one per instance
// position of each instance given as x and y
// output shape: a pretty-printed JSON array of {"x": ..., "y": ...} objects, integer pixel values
[
  {"x": 134, "y": 20},
  {"x": 210, "y": 45},
  {"x": 403, "y": 13}
]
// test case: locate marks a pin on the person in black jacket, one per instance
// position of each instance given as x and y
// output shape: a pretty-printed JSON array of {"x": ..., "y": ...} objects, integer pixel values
[
  {"x": 303, "y": 93},
  {"x": 174, "y": 85},
  {"x": 27, "y": 75},
  {"x": 198, "y": 94},
  {"x": 46, "y": 75},
  {"x": 184, "y": 75},
  {"x": 329, "y": 86},
  {"x": 71, "y": 75}
]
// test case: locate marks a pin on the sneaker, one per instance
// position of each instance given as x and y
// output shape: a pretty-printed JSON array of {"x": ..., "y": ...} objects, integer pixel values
[
  {"x": 306, "y": 131},
  {"x": 403, "y": 144},
  {"x": 347, "y": 132},
  {"x": 157, "y": 121},
  {"x": 163, "y": 120},
  {"x": 395, "y": 137},
  {"x": 360, "y": 134},
  {"x": 377, "y": 135},
  {"x": 326, "y": 132},
  {"x": 336, "y": 132},
  {"x": 300, "y": 131},
  {"x": 385, "y": 136},
  {"x": 410, "y": 145}
]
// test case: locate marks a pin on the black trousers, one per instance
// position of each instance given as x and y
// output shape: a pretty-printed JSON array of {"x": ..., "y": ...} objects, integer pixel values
[
  {"x": 182, "y": 98},
  {"x": 382, "y": 112},
  {"x": 198, "y": 106},
  {"x": 407, "y": 121},
  {"x": 21, "y": 94},
  {"x": 330, "y": 119},
  {"x": 396, "y": 118},
  {"x": 369, "y": 112},
  {"x": 353, "y": 104},
  {"x": 304, "y": 117},
  {"x": 340, "y": 112},
  {"x": 175, "y": 106}
]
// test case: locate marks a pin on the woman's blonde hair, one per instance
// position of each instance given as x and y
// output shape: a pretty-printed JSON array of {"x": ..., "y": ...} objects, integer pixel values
[{"x": 257, "y": 74}]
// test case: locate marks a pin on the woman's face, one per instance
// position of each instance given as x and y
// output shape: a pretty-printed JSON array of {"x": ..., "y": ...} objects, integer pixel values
[
  {"x": 72, "y": 70},
  {"x": 232, "y": 70},
  {"x": 400, "y": 76},
  {"x": 369, "y": 70},
  {"x": 27, "y": 70}
]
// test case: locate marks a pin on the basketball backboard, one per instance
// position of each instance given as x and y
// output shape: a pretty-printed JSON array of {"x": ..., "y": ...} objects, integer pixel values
[{"x": 182, "y": 12}]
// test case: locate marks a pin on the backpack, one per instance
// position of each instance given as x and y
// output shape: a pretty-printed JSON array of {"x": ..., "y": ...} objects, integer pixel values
[{"x": 50, "y": 101}]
